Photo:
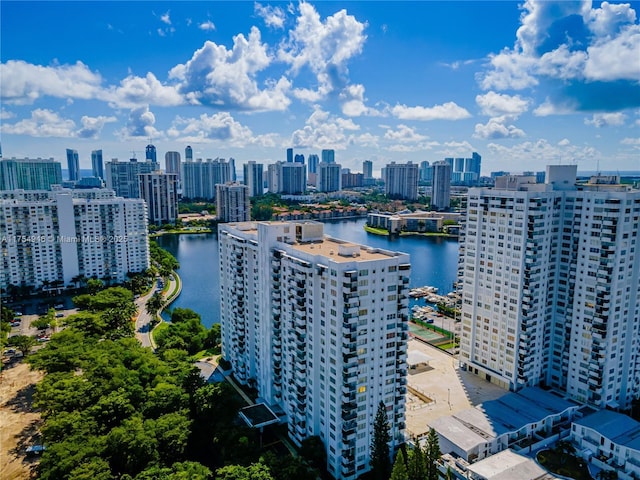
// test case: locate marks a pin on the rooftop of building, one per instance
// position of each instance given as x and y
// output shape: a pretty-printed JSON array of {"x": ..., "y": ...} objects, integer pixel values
[
  {"x": 340, "y": 251},
  {"x": 617, "y": 427},
  {"x": 507, "y": 465},
  {"x": 506, "y": 414}
]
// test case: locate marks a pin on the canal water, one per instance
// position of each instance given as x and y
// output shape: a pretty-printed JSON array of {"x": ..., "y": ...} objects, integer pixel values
[{"x": 434, "y": 262}]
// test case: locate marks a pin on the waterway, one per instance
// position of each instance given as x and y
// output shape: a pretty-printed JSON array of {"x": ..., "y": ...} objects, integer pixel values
[{"x": 434, "y": 262}]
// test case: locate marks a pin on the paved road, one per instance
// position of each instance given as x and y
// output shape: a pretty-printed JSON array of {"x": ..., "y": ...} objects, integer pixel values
[{"x": 143, "y": 321}]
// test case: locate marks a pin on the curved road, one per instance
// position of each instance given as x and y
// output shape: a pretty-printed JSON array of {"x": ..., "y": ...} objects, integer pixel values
[{"x": 143, "y": 320}]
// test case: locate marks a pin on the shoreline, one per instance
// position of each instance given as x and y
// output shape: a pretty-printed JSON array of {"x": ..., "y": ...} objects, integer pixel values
[{"x": 385, "y": 233}]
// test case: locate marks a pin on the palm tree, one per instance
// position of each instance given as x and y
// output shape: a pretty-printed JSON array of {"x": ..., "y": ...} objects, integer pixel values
[{"x": 155, "y": 304}]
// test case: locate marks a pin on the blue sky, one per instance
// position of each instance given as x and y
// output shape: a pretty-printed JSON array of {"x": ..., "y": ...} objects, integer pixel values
[{"x": 523, "y": 84}]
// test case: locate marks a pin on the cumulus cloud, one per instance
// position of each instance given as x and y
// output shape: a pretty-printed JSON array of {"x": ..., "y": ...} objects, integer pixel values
[
  {"x": 165, "y": 18},
  {"x": 353, "y": 102},
  {"x": 324, "y": 47},
  {"x": 446, "y": 111},
  {"x": 207, "y": 26},
  {"x": 140, "y": 124},
  {"x": 272, "y": 16},
  {"x": 630, "y": 141},
  {"x": 404, "y": 134},
  {"x": 92, "y": 126},
  {"x": 23, "y": 83},
  {"x": 564, "y": 142},
  {"x": 593, "y": 52},
  {"x": 135, "y": 91},
  {"x": 494, "y": 104},
  {"x": 324, "y": 130},
  {"x": 599, "y": 120},
  {"x": 497, "y": 128},
  {"x": 42, "y": 123},
  {"x": 542, "y": 152},
  {"x": 226, "y": 79},
  {"x": 6, "y": 115}
]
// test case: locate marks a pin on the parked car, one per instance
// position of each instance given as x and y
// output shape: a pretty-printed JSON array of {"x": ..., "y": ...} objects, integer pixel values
[{"x": 59, "y": 307}]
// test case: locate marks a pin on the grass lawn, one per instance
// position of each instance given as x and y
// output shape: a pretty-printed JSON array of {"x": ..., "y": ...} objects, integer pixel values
[
  {"x": 161, "y": 326},
  {"x": 564, "y": 464},
  {"x": 376, "y": 231}
]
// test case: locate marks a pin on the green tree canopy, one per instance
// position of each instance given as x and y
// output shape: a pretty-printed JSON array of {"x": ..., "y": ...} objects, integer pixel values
[
  {"x": 380, "y": 456},
  {"x": 399, "y": 471}
]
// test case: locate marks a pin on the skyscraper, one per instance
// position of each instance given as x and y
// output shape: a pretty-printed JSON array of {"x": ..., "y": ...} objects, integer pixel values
[
  {"x": 328, "y": 156},
  {"x": 200, "y": 178},
  {"x": 73, "y": 165},
  {"x": 160, "y": 191},
  {"x": 289, "y": 155},
  {"x": 329, "y": 177},
  {"x": 549, "y": 276},
  {"x": 172, "y": 163},
  {"x": 401, "y": 180},
  {"x": 367, "y": 169},
  {"x": 293, "y": 178},
  {"x": 188, "y": 154},
  {"x": 150, "y": 155},
  {"x": 232, "y": 202},
  {"x": 298, "y": 158},
  {"x": 122, "y": 177},
  {"x": 425, "y": 172},
  {"x": 313, "y": 161},
  {"x": 319, "y": 327},
  {"x": 253, "y": 178},
  {"x": 29, "y": 173},
  {"x": 441, "y": 186},
  {"x": 97, "y": 164}
]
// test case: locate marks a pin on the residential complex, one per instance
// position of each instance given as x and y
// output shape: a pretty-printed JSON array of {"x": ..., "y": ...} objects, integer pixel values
[
  {"x": 29, "y": 173},
  {"x": 73, "y": 165},
  {"x": 54, "y": 238},
  {"x": 401, "y": 180},
  {"x": 253, "y": 178},
  {"x": 160, "y": 191},
  {"x": 329, "y": 177},
  {"x": 232, "y": 202},
  {"x": 441, "y": 186},
  {"x": 549, "y": 277},
  {"x": 465, "y": 171},
  {"x": 288, "y": 178},
  {"x": 97, "y": 164},
  {"x": 319, "y": 327},
  {"x": 199, "y": 178},
  {"x": 122, "y": 177},
  {"x": 172, "y": 163}
]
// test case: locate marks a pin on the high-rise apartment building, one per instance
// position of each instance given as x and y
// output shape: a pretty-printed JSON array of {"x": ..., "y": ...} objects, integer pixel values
[
  {"x": 232, "y": 202},
  {"x": 328, "y": 156},
  {"x": 441, "y": 186},
  {"x": 199, "y": 178},
  {"x": 401, "y": 180},
  {"x": 160, "y": 191},
  {"x": 319, "y": 326},
  {"x": 426, "y": 173},
  {"x": 188, "y": 154},
  {"x": 29, "y": 173},
  {"x": 72, "y": 233},
  {"x": 122, "y": 177},
  {"x": 172, "y": 163},
  {"x": 97, "y": 164},
  {"x": 273, "y": 177},
  {"x": 465, "y": 171},
  {"x": 367, "y": 169},
  {"x": 549, "y": 277},
  {"x": 289, "y": 155},
  {"x": 298, "y": 158},
  {"x": 253, "y": 178},
  {"x": 73, "y": 165},
  {"x": 313, "y": 161},
  {"x": 150, "y": 155},
  {"x": 329, "y": 177}
]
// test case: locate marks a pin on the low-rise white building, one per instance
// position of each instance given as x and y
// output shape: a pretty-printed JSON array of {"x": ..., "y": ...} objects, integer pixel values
[{"x": 609, "y": 440}]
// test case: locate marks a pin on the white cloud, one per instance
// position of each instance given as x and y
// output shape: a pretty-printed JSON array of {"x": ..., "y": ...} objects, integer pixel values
[
  {"x": 446, "y": 111},
  {"x": 564, "y": 142},
  {"x": 599, "y": 120},
  {"x": 135, "y": 91},
  {"x": 6, "y": 115},
  {"x": 605, "y": 50},
  {"x": 219, "y": 127},
  {"x": 272, "y": 16},
  {"x": 630, "y": 141},
  {"x": 23, "y": 83},
  {"x": 42, "y": 123},
  {"x": 494, "y": 104},
  {"x": 92, "y": 126},
  {"x": 207, "y": 26},
  {"x": 496, "y": 128},
  {"x": 140, "y": 124},
  {"x": 542, "y": 152},
  {"x": 324, "y": 130},
  {"x": 353, "y": 102},
  {"x": 226, "y": 79},
  {"x": 550, "y": 108},
  {"x": 404, "y": 134},
  {"x": 324, "y": 47},
  {"x": 165, "y": 18}
]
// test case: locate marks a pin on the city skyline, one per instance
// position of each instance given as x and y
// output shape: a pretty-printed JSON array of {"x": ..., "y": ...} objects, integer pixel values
[{"x": 525, "y": 85}]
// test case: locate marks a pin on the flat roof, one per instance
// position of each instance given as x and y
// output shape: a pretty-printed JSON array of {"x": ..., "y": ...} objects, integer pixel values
[
  {"x": 617, "y": 427},
  {"x": 328, "y": 248},
  {"x": 258, "y": 415},
  {"x": 509, "y": 413},
  {"x": 507, "y": 465}
]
